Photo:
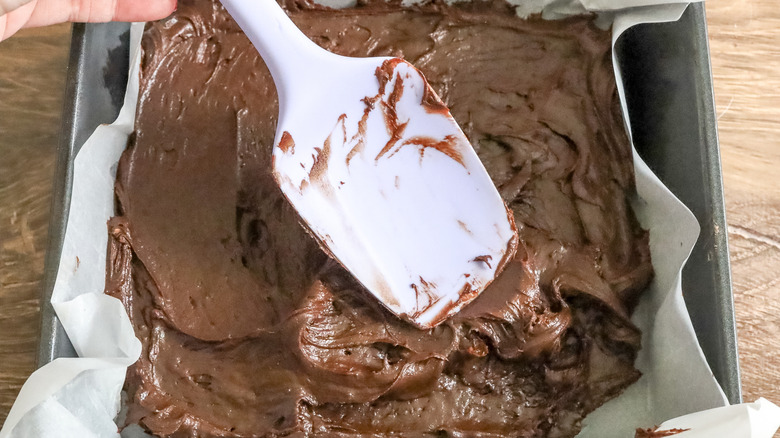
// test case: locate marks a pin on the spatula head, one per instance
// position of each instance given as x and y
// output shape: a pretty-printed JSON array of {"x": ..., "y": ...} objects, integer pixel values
[{"x": 394, "y": 191}]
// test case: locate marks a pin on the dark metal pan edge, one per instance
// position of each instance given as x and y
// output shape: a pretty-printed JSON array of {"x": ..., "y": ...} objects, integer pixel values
[
  {"x": 706, "y": 278},
  {"x": 96, "y": 52},
  {"x": 668, "y": 82}
]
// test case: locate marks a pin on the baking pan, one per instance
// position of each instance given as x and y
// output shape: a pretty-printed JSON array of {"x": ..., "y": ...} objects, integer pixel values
[{"x": 666, "y": 68}]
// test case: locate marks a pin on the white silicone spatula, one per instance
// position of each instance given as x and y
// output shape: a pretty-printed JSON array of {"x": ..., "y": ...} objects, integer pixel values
[{"x": 380, "y": 172}]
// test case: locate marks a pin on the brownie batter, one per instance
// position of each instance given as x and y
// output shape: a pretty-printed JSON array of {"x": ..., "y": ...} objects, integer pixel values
[
  {"x": 250, "y": 330},
  {"x": 653, "y": 432}
]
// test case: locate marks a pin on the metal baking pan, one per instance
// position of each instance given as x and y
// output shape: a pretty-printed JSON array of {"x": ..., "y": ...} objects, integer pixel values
[{"x": 669, "y": 86}]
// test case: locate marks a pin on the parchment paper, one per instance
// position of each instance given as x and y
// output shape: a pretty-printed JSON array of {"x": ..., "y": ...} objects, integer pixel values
[{"x": 80, "y": 397}]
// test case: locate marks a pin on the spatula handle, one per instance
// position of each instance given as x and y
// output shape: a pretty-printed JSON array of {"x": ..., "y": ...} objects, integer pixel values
[{"x": 288, "y": 53}]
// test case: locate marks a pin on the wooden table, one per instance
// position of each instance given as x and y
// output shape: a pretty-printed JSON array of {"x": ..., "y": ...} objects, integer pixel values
[{"x": 746, "y": 65}]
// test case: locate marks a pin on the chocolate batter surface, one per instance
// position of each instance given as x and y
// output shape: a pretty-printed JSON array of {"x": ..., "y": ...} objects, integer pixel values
[{"x": 249, "y": 330}]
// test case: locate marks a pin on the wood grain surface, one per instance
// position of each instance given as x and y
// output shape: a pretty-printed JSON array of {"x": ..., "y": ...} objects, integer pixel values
[
  {"x": 745, "y": 47},
  {"x": 32, "y": 80}
]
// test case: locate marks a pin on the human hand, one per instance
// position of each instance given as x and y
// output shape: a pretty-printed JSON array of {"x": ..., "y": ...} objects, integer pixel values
[{"x": 18, "y": 14}]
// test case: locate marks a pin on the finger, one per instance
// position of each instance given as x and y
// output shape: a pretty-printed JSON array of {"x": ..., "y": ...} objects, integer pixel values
[
  {"x": 97, "y": 11},
  {"x": 120, "y": 10},
  {"x": 7, "y": 6},
  {"x": 14, "y": 20},
  {"x": 142, "y": 10}
]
